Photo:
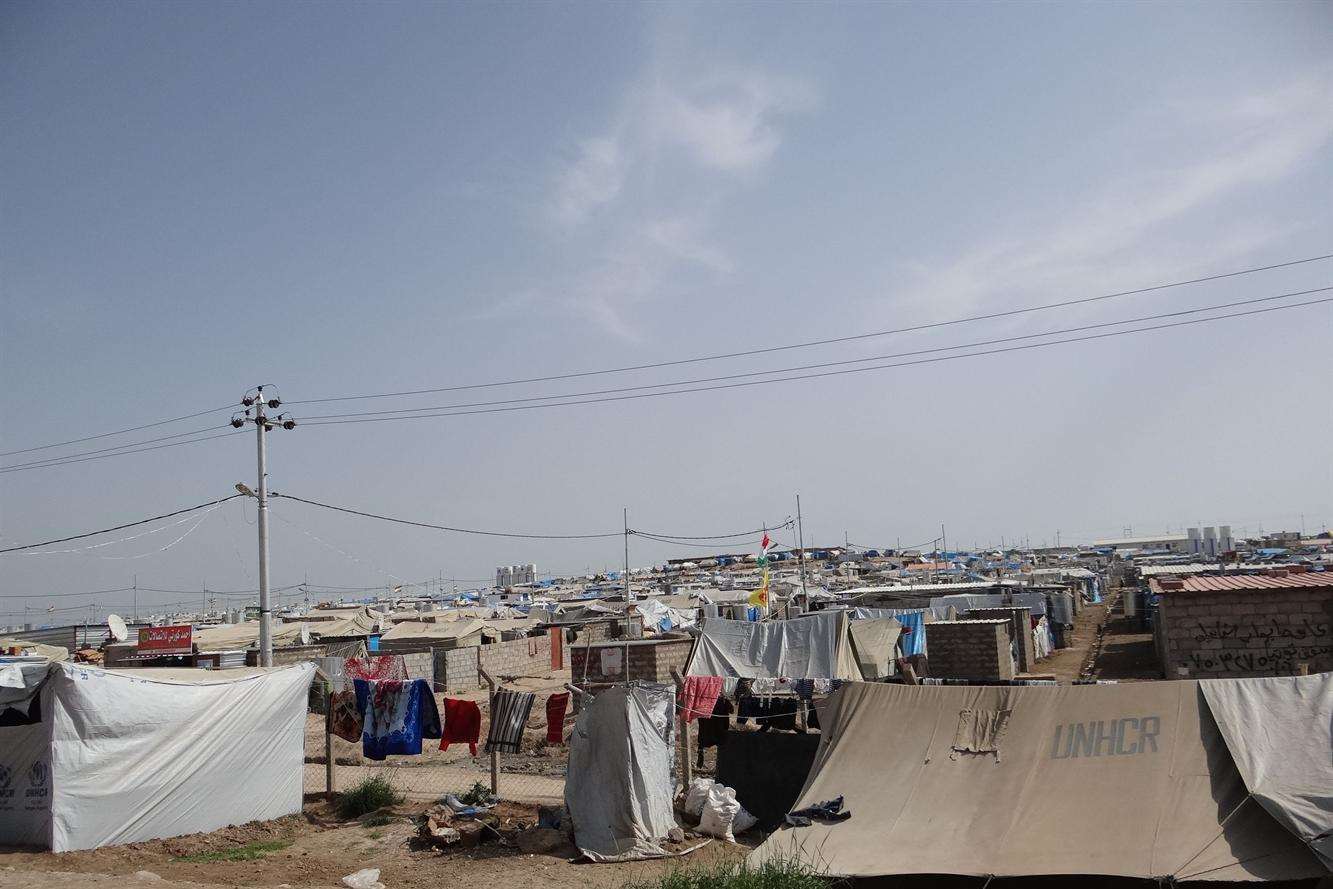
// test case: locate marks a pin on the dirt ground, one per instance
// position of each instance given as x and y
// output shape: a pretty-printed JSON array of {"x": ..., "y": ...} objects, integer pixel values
[{"x": 325, "y": 849}]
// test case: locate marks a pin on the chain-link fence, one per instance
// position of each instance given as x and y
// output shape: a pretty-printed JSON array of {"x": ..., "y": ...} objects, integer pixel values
[{"x": 535, "y": 774}]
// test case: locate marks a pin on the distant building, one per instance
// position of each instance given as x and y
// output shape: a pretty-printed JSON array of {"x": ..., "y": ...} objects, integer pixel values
[
  {"x": 1179, "y": 543},
  {"x": 515, "y": 575}
]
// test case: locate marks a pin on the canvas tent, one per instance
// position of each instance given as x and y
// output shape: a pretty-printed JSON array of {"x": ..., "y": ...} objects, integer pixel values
[
  {"x": 229, "y": 637},
  {"x": 437, "y": 634},
  {"x": 815, "y": 646},
  {"x": 1006, "y": 781},
  {"x": 123, "y": 756},
  {"x": 619, "y": 786}
]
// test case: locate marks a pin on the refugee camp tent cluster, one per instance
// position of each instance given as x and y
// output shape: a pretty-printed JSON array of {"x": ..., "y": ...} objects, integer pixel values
[
  {"x": 1219, "y": 780},
  {"x": 92, "y": 757}
]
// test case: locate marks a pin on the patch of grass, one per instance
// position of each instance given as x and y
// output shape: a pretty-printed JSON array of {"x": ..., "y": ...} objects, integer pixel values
[
  {"x": 380, "y": 819},
  {"x": 775, "y": 873},
  {"x": 478, "y": 794},
  {"x": 248, "y": 852},
  {"x": 376, "y": 834},
  {"x": 369, "y": 795}
]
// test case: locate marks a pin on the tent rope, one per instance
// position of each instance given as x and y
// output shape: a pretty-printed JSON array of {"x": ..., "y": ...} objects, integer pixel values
[{"x": 1223, "y": 829}]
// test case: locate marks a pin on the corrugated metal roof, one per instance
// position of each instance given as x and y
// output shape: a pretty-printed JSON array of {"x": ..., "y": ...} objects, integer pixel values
[
  {"x": 1201, "y": 567},
  {"x": 1305, "y": 580}
]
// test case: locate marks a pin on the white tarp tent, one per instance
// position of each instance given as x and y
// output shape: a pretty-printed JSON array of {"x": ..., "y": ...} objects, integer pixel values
[
  {"x": 1279, "y": 731},
  {"x": 1004, "y": 781},
  {"x": 814, "y": 646},
  {"x": 619, "y": 788},
  {"x": 124, "y": 756}
]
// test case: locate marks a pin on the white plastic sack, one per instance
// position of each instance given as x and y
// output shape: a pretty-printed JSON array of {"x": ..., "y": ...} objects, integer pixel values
[
  {"x": 697, "y": 795},
  {"x": 723, "y": 816},
  {"x": 368, "y": 878}
]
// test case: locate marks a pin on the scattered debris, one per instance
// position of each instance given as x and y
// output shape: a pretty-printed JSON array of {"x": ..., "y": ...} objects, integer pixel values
[{"x": 367, "y": 878}]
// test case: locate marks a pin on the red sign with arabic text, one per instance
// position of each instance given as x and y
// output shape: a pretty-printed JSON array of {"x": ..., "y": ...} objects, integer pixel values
[{"x": 166, "y": 640}]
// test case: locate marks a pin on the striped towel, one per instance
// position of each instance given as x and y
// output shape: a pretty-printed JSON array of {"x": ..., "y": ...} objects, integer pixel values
[{"x": 509, "y": 714}]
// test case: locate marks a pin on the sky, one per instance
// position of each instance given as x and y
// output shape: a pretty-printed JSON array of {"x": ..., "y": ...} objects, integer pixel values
[{"x": 344, "y": 199}]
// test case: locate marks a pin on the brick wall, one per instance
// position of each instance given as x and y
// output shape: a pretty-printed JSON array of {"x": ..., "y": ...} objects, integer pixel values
[
  {"x": 650, "y": 660},
  {"x": 1020, "y": 629},
  {"x": 456, "y": 669},
  {"x": 1234, "y": 633},
  {"x": 970, "y": 649},
  {"x": 529, "y": 656}
]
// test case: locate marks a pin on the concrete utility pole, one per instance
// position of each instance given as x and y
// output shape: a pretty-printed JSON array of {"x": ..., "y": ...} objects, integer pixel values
[
  {"x": 254, "y": 405},
  {"x": 800, "y": 536}
]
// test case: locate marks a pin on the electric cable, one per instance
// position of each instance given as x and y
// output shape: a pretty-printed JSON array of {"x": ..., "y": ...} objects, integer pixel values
[
  {"x": 820, "y": 366},
  {"x": 168, "y": 515},
  {"x": 74, "y": 458},
  {"x": 788, "y": 379},
  {"x": 225, "y": 407},
  {"x": 769, "y": 349}
]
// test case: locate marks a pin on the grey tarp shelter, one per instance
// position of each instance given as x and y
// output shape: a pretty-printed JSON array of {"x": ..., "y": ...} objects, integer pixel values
[
  {"x": 619, "y": 786},
  {"x": 1143, "y": 762}
]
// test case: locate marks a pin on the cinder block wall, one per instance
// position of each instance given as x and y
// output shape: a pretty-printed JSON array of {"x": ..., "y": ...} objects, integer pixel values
[
  {"x": 456, "y": 669},
  {"x": 1020, "y": 628},
  {"x": 288, "y": 654},
  {"x": 1237, "y": 633},
  {"x": 970, "y": 649},
  {"x": 530, "y": 656},
  {"x": 649, "y": 661}
]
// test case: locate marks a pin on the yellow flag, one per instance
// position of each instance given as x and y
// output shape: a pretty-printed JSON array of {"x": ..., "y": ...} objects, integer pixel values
[{"x": 760, "y": 596}]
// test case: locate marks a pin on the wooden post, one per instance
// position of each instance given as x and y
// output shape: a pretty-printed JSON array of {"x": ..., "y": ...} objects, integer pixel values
[
  {"x": 1303, "y": 669},
  {"x": 686, "y": 764},
  {"x": 495, "y": 756},
  {"x": 330, "y": 776}
]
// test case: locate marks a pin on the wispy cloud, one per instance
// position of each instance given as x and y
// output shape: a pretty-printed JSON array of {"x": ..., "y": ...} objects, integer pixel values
[
  {"x": 594, "y": 178},
  {"x": 639, "y": 227},
  {"x": 1127, "y": 230}
]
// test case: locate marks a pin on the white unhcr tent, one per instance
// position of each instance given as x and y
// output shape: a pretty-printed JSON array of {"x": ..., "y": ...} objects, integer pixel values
[
  {"x": 123, "y": 756},
  {"x": 1004, "y": 781},
  {"x": 619, "y": 786}
]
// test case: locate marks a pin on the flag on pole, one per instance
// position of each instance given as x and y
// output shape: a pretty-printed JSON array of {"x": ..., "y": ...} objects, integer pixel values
[{"x": 760, "y": 596}]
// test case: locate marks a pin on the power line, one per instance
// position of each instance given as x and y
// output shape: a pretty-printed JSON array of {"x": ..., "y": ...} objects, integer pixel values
[
  {"x": 788, "y": 379},
  {"x": 169, "y": 515},
  {"x": 843, "y": 363},
  {"x": 119, "y": 589},
  {"x": 667, "y": 538},
  {"x": 383, "y": 518},
  {"x": 131, "y": 444},
  {"x": 77, "y": 459},
  {"x": 825, "y": 342},
  {"x": 117, "y": 432}
]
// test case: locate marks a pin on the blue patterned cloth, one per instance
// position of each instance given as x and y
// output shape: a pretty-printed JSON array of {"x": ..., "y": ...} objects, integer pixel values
[{"x": 395, "y": 716}]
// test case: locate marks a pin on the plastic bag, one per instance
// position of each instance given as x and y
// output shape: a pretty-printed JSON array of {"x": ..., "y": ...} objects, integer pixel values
[
  {"x": 369, "y": 878},
  {"x": 723, "y": 816},
  {"x": 697, "y": 795}
]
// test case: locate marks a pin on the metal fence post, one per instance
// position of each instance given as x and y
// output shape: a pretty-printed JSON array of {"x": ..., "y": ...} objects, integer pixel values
[
  {"x": 495, "y": 756},
  {"x": 686, "y": 765},
  {"x": 330, "y": 778}
]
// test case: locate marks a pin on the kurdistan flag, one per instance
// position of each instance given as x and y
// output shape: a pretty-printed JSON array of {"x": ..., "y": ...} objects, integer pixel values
[{"x": 760, "y": 596}]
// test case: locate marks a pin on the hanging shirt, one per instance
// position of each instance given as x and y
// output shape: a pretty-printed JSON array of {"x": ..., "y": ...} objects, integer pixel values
[
  {"x": 395, "y": 716},
  {"x": 462, "y": 724},
  {"x": 698, "y": 696},
  {"x": 555, "y": 717}
]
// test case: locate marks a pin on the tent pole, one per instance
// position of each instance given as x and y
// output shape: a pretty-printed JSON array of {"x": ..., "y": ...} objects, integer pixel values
[
  {"x": 495, "y": 756},
  {"x": 686, "y": 764},
  {"x": 330, "y": 778}
]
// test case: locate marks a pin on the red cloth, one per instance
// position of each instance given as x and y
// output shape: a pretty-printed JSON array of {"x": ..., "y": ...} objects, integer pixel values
[
  {"x": 555, "y": 717},
  {"x": 699, "y": 696},
  {"x": 462, "y": 724}
]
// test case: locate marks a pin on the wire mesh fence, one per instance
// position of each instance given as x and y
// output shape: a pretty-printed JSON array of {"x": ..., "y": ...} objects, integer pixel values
[{"x": 535, "y": 774}]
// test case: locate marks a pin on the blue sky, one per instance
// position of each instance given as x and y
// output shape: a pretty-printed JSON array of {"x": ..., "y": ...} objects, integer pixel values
[{"x": 344, "y": 199}]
